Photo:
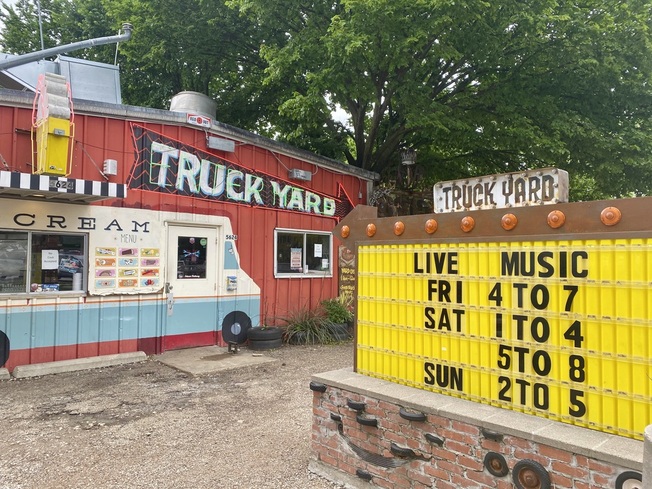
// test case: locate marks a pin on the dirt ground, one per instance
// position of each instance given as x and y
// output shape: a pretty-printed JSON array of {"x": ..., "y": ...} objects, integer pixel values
[{"x": 148, "y": 425}]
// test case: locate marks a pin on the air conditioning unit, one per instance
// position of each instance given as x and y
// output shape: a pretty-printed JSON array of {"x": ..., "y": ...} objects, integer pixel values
[{"x": 296, "y": 174}]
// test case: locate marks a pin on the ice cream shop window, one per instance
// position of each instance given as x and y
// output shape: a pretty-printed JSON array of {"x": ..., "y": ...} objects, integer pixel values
[
  {"x": 302, "y": 253},
  {"x": 38, "y": 262}
]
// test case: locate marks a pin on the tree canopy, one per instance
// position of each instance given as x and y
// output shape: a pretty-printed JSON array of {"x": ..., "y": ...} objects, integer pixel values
[
  {"x": 477, "y": 86},
  {"x": 195, "y": 45}
]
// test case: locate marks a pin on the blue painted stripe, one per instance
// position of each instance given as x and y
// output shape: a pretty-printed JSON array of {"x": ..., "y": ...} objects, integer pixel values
[{"x": 79, "y": 323}]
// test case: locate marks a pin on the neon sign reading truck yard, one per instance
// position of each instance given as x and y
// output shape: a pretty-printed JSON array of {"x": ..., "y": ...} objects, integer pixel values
[
  {"x": 210, "y": 179},
  {"x": 166, "y": 166}
]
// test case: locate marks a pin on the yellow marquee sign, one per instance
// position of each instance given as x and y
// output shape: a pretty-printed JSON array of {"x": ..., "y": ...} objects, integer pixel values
[{"x": 559, "y": 328}]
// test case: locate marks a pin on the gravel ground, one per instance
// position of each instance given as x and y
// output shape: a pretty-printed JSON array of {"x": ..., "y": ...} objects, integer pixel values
[{"x": 147, "y": 425}]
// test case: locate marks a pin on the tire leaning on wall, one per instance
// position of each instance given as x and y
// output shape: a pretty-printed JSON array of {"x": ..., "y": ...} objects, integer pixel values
[{"x": 265, "y": 338}]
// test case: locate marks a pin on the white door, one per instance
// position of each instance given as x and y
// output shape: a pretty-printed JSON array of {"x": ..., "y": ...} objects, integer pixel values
[
  {"x": 192, "y": 261},
  {"x": 192, "y": 305}
]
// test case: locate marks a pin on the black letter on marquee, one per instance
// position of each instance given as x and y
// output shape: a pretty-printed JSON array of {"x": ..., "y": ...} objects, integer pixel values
[{"x": 509, "y": 264}]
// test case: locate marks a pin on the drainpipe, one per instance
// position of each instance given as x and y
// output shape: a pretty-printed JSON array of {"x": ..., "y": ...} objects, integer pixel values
[{"x": 38, "y": 55}]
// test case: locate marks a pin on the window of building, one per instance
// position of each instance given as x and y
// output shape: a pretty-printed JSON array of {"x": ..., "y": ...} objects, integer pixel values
[
  {"x": 301, "y": 253},
  {"x": 41, "y": 262},
  {"x": 191, "y": 257}
]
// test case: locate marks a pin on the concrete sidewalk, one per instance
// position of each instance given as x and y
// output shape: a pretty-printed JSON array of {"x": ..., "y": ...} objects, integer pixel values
[
  {"x": 193, "y": 361},
  {"x": 210, "y": 359},
  {"x": 48, "y": 368}
]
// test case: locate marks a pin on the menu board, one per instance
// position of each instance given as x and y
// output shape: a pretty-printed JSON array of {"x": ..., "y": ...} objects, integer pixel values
[{"x": 126, "y": 268}]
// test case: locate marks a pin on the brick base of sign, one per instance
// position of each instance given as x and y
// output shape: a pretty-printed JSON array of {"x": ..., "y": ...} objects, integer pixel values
[{"x": 370, "y": 433}]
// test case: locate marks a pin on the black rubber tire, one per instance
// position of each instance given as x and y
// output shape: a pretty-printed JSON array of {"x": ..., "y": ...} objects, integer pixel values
[
  {"x": 235, "y": 327},
  {"x": 496, "y": 464},
  {"x": 340, "y": 332},
  {"x": 317, "y": 387},
  {"x": 534, "y": 472},
  {"x": 401, "y": 451},
  {"x": 628, "y": 480},
  {"x": 491, "y": 435},
  {"x": 300, "y": 338},
  {"x": 265, "y": 338},
  {"x": 4, "y": 348},
  {"x": 412, "y": 415},
  {"x": 363, "y": 474},
  {"x": 356, "y": 405},
  {"x": 258, "y": 333},
  {"x": 434, "y": 439},
  {"x": 265, "y": 344},
  {"x": 363, "y": 420}
]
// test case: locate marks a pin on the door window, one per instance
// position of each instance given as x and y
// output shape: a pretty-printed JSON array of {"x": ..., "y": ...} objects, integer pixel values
[{"x": 191, "y": 257}]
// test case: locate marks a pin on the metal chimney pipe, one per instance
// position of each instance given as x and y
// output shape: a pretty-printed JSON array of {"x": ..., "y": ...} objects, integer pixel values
[{"x": 38, "y": 55}]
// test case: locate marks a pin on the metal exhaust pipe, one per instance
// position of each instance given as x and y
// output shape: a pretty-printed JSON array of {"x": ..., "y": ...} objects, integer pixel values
[{"x": 38, "y": 55}]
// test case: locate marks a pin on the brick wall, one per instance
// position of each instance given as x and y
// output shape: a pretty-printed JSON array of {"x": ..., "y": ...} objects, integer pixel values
[{"x": 442, "y": 452}]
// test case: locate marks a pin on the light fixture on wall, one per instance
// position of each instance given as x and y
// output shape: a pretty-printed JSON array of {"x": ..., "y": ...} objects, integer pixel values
[
  {"x": 110, "y": 167},
  {"x": 296, "y": 174},
  {"x": 220, "y": 144}
]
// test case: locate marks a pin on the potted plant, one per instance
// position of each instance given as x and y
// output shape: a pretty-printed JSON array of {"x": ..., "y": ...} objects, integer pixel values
[{"x": 340, "y": 317}]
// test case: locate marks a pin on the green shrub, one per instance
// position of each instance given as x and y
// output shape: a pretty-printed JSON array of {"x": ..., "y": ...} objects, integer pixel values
[
  {"x": 337, "y": 311},
  {"x": 307, "y": 326}
]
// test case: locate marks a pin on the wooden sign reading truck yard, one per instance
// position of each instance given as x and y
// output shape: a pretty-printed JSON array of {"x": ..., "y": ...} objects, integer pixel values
[{"x": 532, "y": 187}]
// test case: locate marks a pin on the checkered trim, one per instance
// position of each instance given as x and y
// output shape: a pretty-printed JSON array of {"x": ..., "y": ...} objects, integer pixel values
[{"x": 46, "y": 183}]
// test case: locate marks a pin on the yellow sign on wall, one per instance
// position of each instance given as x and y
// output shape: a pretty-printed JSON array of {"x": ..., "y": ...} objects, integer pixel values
[{"x": 559, "y": 329}]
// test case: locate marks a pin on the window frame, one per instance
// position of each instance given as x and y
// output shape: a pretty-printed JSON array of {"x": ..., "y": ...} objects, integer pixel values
[
  {"x": 310, "y": 273},
  {"x": 29, "y": 265}
]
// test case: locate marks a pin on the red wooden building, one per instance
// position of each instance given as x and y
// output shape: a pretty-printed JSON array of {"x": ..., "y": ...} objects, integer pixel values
[{"x": 126, "y": 228}]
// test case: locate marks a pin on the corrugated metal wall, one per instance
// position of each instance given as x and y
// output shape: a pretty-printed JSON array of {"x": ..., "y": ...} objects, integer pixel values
[{"x": 98, "y": 138}]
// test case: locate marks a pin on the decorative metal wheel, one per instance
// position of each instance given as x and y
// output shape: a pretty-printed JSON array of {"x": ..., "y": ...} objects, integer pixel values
[
  {"x": 629, "y": 480},
  {"x": 496, "y": 464},
  {"x": 528, "y": 474}
]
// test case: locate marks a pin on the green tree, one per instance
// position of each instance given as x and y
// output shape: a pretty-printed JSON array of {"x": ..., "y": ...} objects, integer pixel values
[
  {"x": 477, "y": 86},
  {"x": 62, "y": 22},
  {"x": 197, "y": 45}
]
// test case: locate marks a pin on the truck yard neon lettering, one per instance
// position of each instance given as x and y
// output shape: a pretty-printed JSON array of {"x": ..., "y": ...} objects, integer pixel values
[{"x": 166, "y": 166}]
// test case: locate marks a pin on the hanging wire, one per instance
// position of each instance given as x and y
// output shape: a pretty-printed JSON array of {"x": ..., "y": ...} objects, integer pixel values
[{"x": 79, "y": 143}]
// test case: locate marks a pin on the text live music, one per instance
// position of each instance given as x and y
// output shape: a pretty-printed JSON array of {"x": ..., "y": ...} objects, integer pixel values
[{"x": 520, "y": 388}]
